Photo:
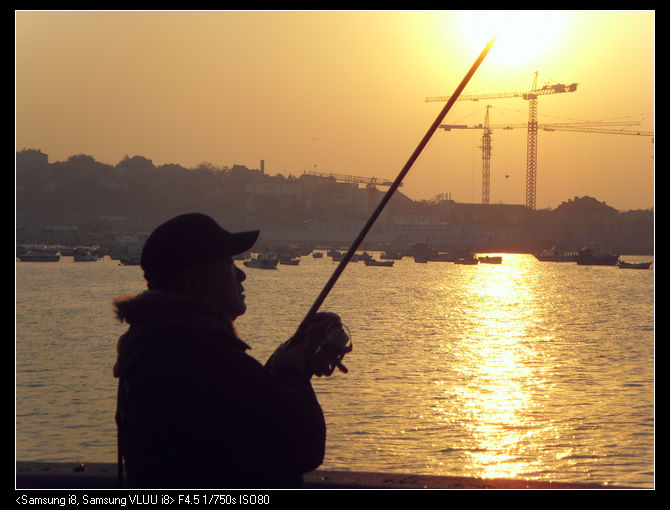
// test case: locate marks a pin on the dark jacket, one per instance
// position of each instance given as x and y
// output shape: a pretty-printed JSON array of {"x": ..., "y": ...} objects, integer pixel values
[{"x": 196, "y": 411}]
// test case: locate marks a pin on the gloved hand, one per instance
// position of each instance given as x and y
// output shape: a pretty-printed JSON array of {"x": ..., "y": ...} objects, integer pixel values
[
  {"x": 328, "y": 342},
  {"x": 316, "y": 349}
]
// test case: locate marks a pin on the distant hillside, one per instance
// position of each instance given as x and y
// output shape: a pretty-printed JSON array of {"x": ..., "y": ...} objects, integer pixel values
[
  {"x": 84, "y": 195},
  {"x": 584, "y": 206}
]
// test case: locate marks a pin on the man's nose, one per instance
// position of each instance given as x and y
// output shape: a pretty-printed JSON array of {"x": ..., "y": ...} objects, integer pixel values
[{"x": 241, "y": 275}]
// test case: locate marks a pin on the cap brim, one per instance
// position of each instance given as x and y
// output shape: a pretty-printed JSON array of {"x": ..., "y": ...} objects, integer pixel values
[{"x": 243, "y": 241}]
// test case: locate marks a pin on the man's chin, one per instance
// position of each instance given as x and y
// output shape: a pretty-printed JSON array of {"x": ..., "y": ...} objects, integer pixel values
[{"x": 241, "y": 309}]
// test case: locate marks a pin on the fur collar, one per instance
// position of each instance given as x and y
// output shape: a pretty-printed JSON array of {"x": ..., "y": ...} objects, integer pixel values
[{"x": 155, "y": 315}]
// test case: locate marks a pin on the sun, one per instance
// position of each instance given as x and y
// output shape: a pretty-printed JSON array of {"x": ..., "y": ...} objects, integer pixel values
[{"x": 520, "y": 35}]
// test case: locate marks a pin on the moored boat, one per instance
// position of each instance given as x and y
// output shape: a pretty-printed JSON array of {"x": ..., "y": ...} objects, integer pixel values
[
  {"x": 39, "y": 256},
  {"x": 444, "y": 257},
  {"x": 490, "y": 260},
  {"x": 82, "y": 254},
  {"x": 467, "y": 259},
  {"x": 633, "y": 265},
  {"x": 129, "y": 260},
  {"x": 589, "y": 257},
  {"x": 263, "y": 261},
  {"x": 382, "y": 263},
  {"x": 557, "y": 253},
  {"x": 287, "y": 261},
  {"x": 84, "y": 257},
  {"x": 391, "y": 255}
]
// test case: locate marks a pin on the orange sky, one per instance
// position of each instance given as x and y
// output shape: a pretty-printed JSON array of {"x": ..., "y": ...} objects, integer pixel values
[{"x": 343, "y": 92}]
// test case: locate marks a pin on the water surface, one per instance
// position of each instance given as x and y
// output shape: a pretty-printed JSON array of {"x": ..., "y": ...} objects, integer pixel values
[{"x": 526, "y": 369}]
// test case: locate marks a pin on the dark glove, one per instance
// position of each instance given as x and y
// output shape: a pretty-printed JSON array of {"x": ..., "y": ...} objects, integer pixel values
[
  {"x": 316, "y": 349},
  {"x": 327, "y": 343}
]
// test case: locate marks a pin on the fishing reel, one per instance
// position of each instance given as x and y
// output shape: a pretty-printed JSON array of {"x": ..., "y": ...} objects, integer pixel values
[{"x": 329, "y": 341}]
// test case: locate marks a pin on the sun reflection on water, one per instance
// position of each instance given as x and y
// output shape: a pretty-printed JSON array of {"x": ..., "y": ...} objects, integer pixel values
[{"x": 497, "y": 396}]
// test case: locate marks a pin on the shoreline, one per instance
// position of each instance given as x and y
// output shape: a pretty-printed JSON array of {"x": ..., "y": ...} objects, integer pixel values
[{"x": 103, "y": 475}]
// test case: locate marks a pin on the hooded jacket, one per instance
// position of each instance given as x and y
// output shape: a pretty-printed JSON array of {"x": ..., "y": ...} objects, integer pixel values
[{"x": 194, "y": 410}]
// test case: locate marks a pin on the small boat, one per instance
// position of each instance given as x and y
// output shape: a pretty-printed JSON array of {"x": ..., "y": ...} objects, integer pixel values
[
  {"x": 391, "y": 255},
  {"x": 490, "y": 260},
  {"x": 444, "y": 257},
  {"x": 356, "y": 257},
  {"x": 317, "y": 255},
  {"x": 39, "y": 256},
  {"x": 633, "y": 265},
  {"x": 129, "y": 260},
  {"x": 468, "y": 259},
  {"x": 589, "y": 257},
  {"x": 381, "y": 263},
  {"x": 557, "y": 254},
  {"x": 288, "y": 261},
  {"x": 84, "y": 255},
  {"x": 421, "y": 259},
  {"x": 263, "y": 261}
]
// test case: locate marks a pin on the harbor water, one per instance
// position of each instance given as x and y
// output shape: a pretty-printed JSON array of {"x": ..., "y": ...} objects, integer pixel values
[{"x": 525, "y": 369}]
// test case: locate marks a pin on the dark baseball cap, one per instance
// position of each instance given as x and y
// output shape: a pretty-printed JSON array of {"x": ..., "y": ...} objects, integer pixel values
[{"x": 187, "y": 240}]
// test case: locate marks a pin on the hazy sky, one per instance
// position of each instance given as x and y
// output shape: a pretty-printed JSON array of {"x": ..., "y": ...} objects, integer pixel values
[{"x": 344, "y": 92}]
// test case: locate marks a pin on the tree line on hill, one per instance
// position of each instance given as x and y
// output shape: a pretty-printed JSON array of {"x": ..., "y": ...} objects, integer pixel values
[{"x": 82, "y": 189}]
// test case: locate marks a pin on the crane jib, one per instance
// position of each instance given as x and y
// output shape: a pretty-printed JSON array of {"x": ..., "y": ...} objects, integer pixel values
[{"x": 546, "y": 90}]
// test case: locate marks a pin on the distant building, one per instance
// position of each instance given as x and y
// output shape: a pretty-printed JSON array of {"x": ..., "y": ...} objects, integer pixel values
[
  {"x": 406, "y": 234},
  {"x": 487, "y": 214}
]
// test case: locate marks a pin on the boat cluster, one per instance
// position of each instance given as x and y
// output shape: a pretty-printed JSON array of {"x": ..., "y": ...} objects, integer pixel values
[
  {"x": 45, "y": 253},
  {"x": 270, "y": 259},
  {"x": 386, "y": 259},
  {"x": 460, "y": 258},
  {"x": 38, "y": 253},
  {"x": 588, "y": 257}
]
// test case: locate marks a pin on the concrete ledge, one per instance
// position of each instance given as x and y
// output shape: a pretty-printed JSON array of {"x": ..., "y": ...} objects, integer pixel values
[{"x": 54, "y": 475}]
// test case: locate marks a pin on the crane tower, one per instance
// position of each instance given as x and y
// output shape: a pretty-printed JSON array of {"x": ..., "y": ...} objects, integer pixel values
[
  {"x": 531, "y": 151},
  {"x": 583, "y": 127},
  {"x": 486, "y": 159}
]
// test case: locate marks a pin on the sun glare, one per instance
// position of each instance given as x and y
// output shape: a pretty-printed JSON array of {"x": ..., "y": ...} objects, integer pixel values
[{"x": 520, "y": 35}]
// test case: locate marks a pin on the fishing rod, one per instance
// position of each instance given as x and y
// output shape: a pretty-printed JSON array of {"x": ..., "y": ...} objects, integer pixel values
[{"x": 394, "y": 186}]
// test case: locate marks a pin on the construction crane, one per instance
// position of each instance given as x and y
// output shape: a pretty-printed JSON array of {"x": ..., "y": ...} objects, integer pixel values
[
  {"x": 531, "y": 151},
  {"x": 583, "y": 127},
  {"x": 370, "y": 182},
  {"x": 487, "y": 128}
]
